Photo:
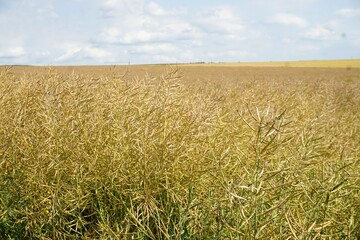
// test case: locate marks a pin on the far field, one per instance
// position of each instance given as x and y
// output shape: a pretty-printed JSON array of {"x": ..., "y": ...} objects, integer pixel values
[
  {"x": 354, "y": 63},
  {"x": 216, "y": 71},
  {"x": 199, "y": 151}
]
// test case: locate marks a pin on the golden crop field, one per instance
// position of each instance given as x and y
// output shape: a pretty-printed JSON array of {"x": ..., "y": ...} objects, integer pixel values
[
  {"x": 179, "y": 152},
  {"x": 354, "y": 63}
]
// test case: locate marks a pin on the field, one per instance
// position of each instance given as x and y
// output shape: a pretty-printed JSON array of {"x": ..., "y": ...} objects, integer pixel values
[
  {"x": 354, "y": 63},
  {"x": 180, "y": 152}
]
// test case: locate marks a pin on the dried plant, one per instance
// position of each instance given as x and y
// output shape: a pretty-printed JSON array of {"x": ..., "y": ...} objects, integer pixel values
[{"x": 157, "y": 158}]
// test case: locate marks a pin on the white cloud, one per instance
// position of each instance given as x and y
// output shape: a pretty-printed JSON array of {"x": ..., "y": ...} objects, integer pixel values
[
  {"x": 17, "y": 52},
  {"x": 320, "y": 33},
  {"x": 288, "y": 19},
  {"x": 149, "y": 33},
  {"x": 112, "y": 3},
  {"x": 120, "y": 8},
  {"x": 179, "y": 30},
  {"x": 155, "y": 48},
  {"x": 220, "y": 20},
  {"x": 116, "y": 35},
  {"x": 150, "y": 23},
  {"x": 139, "y": 36},
  {"x": 109, "y": 35},
  {"x": 220, "y": 13},
  {"x": 74, "y": 52},
  {"x": 238, "y": 54},
  {"x": 93, "y": 52},
  {"x": 155, "y": 9},
  {"x": 13, "y": 52},
  {"x": 349, "y": 12}
]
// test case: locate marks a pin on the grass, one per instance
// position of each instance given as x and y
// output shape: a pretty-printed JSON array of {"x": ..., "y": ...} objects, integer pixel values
[{"x": 158, "y": 157}]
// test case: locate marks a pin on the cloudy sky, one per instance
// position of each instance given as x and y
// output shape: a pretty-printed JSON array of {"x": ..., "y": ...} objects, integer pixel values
[{"x": 68, "y": 32}]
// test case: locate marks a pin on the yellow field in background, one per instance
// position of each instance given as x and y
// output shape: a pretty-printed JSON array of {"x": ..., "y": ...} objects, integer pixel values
[{"x": 353, "y": 63}]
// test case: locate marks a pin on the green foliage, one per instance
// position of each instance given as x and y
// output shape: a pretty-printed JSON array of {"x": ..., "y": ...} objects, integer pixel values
[{"x": 157, "y": 158}]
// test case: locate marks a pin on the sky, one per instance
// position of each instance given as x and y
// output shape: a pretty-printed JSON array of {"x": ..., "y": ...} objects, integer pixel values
[{"x": 109, "y": 32}]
